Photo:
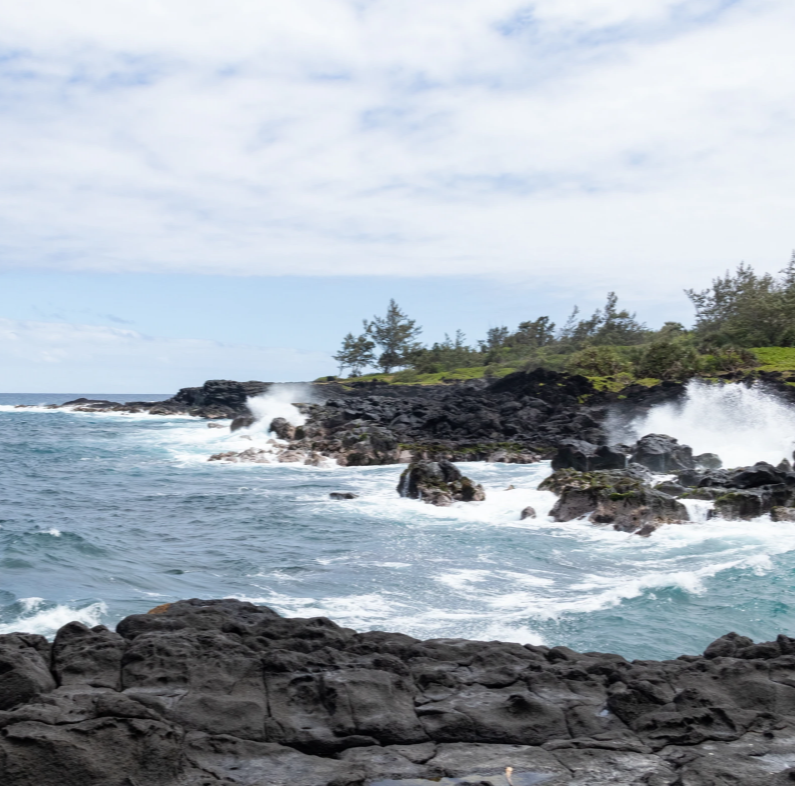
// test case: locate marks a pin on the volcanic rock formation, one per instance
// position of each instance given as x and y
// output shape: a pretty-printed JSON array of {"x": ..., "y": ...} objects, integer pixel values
[{"x": 225, "y": 693}]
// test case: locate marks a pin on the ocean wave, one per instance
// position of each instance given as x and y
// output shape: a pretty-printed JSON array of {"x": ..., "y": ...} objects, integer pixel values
[{"x": 36, "y": 615}]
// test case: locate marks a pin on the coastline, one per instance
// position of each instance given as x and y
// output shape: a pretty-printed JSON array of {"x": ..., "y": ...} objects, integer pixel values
[{"x": 221, "y": 692}]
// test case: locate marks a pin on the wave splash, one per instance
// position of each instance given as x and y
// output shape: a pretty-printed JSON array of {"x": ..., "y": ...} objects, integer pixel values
[
  {"x": 279, "y": 402},
  {"x": 741, "y": 424},
  {"x": 36, "y": 615}
]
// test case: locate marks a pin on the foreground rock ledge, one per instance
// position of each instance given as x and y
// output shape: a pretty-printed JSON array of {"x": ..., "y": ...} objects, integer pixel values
[{"x": 220, "y": 693}]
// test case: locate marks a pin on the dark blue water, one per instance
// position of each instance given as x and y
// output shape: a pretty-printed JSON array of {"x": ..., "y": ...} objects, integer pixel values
[{"x": 105, "y": 515}]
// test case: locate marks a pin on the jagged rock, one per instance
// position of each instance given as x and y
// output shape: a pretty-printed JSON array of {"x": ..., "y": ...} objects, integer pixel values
[
  {"x": 618, "y": 497},
  {"x": 661, "y": 453},
  {"x": 749, "y": 503},
  {"x": 24, "y": 669},
  {"x": 527, "y": 513},
  {"x": 282, "y": 428},
  {"x": 438, "y": 483},
  {"x": 227, "y": 455},
  {"x": 707, "y": 461},
  {"x": 693, "y": 478},
  {"x": 225, "y": 693},
  {"x": 583, "y": 456},
  {"x": 760, "y": 474}
]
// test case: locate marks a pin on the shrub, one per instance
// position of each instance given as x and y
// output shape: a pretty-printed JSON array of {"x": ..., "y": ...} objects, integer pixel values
[
  {"x": 601, "y": 361},
  {"x": 668, "y": 359}
]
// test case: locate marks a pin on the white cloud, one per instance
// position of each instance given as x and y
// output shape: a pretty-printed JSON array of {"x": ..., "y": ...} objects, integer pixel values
[
  {"x": 649, "y": 142},
  {"x": 40, "y": 357}
]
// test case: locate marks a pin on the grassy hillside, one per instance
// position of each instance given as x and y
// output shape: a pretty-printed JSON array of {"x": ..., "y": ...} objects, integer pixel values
[{"x": 768, "y": 359}]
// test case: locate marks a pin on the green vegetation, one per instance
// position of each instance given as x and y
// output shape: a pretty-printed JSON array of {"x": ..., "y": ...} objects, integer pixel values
[
  {"x": 744, "y": 322},
  {"x": 776, "y": 358}
]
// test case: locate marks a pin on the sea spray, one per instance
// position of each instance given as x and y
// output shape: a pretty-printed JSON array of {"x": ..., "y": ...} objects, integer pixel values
[
  {"x": 279, "y": 402},
  {"x": 741, "y": 424}
]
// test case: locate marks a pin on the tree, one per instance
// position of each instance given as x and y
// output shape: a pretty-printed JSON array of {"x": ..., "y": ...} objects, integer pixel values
[
  {"x": 608, "y": 326},
  {"x": 495, "y": 338},
  {"x": 394, "y": 334},
  {"x": 356, "y": 353},
  {"x": 619, "y": 327},
  {"x": 746, "y": 309},
  {"x": 538, "y": 333}
]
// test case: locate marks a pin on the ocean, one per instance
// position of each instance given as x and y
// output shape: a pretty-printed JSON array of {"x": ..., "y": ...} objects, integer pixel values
[{"x": 105, "y": 515}]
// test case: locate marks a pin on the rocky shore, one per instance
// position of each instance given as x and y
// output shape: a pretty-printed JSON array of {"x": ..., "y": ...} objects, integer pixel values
[
  {"x": 225, "y": 693},
  {"x": 519, "y": 418}
]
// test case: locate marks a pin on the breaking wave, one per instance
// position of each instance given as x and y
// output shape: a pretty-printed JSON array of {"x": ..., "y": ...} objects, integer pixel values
[{"x": 741, "y": 424}]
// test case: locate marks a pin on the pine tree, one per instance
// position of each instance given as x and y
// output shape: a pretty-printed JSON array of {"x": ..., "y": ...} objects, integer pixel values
[
  {"x": 356, "y": 353},
  {"x": 394, "y": 334}
]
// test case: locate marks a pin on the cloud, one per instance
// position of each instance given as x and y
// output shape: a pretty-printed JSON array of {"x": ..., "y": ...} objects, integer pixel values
[
  {"x": 52, "y": 356},
  {"x": 649, "y": 142}
]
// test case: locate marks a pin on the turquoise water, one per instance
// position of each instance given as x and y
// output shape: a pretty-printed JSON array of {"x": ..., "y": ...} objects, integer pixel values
[{"x": 106, "y": 515}]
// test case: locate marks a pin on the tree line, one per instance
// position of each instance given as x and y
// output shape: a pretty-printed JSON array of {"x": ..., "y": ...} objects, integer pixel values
[{"x": 740, "y": 310}]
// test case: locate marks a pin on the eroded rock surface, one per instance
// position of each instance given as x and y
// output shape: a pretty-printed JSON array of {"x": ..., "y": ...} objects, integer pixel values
[
  {"x": 622, "y": 498},
  {"x": 225, "y": 693},
  {"x": 438, "y": 483}
]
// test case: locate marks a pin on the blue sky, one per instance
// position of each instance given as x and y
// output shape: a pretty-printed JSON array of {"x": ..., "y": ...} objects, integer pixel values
[{"x": 208, "y": 189}]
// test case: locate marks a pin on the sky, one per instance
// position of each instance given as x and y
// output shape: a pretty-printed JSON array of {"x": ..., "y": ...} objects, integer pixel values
[{"x": 204, "y": 189}]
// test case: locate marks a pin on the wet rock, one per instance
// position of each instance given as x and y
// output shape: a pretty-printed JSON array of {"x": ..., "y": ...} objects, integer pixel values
[
  {"x": 584, "y": 456},
  {"x": 661, "y": 453},
  {"x": 215, "y": 425},
  {"x": 779, "y": 513},
  {"x": 707, "y": 461},
  {"x": 241, "y": 421},
  {"x": 671, "y": 488},
  {"x": 343, "y": 495},
  {"x": 693, "y": 478},
  {"x": 438, "y": 483},
  {"x": 282, "y": 428},
  {"x": 760, "y": 474},
  {"x": 704, "y": 492},
  {"x": 620, "y": 498},
  {"x": 226, "y": 455},
  {"x": 527, "y": 513},
  {"x": 737, "y": 504}
]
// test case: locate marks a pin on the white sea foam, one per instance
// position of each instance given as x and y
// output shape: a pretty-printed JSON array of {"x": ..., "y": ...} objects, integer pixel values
[
  {"x": 279, "y": 402},
  {"x": 40, "y": 617},
  {"x": 741, "y": 424}
]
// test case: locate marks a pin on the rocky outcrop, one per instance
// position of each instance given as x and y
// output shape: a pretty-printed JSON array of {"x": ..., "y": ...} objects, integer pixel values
[
  {"x": 661, "y": 453},
  {"x": 657, "y": 452},
  {"x": 744, "y": 492},
  {"x": 225, "y": 693},
  {"x": 438, "y": 483},
  {"x": 517, "y": 419},
  {"x": 622, "y": 498},
  {"x": 585, "y": 456}
]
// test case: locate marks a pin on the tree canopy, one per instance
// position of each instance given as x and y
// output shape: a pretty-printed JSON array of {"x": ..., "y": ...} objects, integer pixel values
[{"x": 738, "y": 311}]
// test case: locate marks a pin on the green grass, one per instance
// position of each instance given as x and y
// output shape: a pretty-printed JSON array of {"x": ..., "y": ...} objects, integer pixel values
[
  {"x": 409, "y": 377},
  {"x": 775, "y": 358}
]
